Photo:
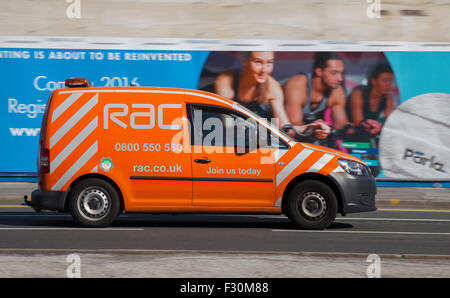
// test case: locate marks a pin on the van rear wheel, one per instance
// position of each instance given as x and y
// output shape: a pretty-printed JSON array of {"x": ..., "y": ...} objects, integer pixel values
[
  {"x": 312, "y": 205},
  {"x": 94, "y": 203}
]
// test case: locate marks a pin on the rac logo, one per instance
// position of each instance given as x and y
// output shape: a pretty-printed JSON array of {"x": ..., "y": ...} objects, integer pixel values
[
  {"x": 420, "y": 158},
  {"x": 146, "y": 113}
]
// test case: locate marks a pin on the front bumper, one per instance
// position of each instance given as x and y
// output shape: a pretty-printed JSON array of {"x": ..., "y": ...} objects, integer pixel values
[
  {"x": 47, "y": 200},
  {"x": 357, "y": 192}
]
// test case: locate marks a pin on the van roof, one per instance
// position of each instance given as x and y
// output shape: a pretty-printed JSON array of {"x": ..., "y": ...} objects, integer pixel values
[
  {"x": 217, "y": 99},
  {"x": 131, "y": 89}
]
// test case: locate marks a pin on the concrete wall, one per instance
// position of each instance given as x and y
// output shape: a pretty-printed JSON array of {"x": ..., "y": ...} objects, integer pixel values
[{"x": 401, "y": 20}]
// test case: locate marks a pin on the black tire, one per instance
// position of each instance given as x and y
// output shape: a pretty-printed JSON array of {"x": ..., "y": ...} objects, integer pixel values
[
  {"x": 312, "y": 205},
  {"x": 94, "y": 203}
]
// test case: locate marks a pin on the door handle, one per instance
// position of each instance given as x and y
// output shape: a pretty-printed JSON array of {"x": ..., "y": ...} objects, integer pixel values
[{"x": 204, "y": 161}]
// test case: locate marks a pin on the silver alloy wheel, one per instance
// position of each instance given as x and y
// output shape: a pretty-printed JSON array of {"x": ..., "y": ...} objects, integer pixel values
[
  {"x": 313, "y": 205},
  {"x": 94, "y": 203}
]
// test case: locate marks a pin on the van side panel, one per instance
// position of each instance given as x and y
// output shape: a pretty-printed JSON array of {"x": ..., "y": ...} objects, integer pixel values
[{"x": 141, "y": 138}]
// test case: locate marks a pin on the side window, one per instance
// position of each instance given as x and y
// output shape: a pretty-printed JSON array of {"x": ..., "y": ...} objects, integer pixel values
[
  {"x": 215, "y": 126},
  {"x": 220, "y": 127},
  {"x": 267, "y": 139}
]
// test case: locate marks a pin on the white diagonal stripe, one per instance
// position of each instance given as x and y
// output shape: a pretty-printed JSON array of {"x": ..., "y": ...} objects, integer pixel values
[
  {"x": 73, "y": 120},
  {"x": 338, "y": 169},
  {"x": 65, "y": 105},
  {"x": 292, "y": 165},
  {"x": 76, "y": 166},
  {"x": 73, "y": 144},
  {"x": 320, "y": 163},
  {"x": 278, "y": 154}
]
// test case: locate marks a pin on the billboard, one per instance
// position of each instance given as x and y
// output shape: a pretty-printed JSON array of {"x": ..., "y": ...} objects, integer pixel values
[{"x": 391, "y": 109}]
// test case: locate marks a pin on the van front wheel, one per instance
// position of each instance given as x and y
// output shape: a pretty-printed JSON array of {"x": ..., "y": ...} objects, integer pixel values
[
  {"x": 312, "y": 205},
  {"x": 94, "y": 203}
]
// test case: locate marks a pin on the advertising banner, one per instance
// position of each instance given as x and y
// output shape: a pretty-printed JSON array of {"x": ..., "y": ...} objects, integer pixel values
[{"x": 391, "y": 109}]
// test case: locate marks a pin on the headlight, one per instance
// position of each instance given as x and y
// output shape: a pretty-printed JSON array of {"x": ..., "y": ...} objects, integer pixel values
[{"x": 354, "y": 168}]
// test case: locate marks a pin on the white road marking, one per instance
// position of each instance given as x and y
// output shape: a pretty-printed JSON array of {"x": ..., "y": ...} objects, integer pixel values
[
  {"x": 35, "y": 215},
  {"x": 251, "y": 215},
  {"x": 363, "y": 232},
  {"x": 337, "y": 218},
  {"x": 72, "y": 229},
  {"x": 45, "y": 215},
  {"x": 393, "y": 219}
]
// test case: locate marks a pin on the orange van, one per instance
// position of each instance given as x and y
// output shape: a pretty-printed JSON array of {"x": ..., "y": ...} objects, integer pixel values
[{"x": 103, "y": 151}]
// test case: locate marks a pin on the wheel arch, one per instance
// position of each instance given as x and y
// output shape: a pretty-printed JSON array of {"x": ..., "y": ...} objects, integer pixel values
[
  {"x": 312, "y": 176},
  {"x": 99, "y": 176}
]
